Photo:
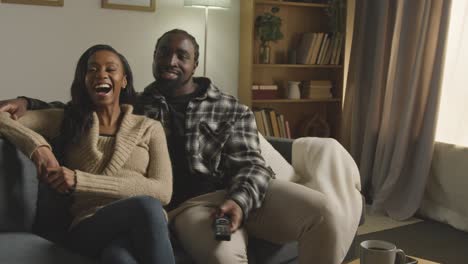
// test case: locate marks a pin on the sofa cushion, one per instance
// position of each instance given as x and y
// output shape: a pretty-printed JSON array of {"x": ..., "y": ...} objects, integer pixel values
[
  {"x": 18, "y": 189},
  {"x": 21, "y": 248},
  {"x": 282, "y": 168}
]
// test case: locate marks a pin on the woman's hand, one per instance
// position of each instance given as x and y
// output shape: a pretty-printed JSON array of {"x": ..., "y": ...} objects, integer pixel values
[
  {"x": 16, "y": 107},
  {"x": 61, "y": 179},
  {"x": 43, "y": 158}
]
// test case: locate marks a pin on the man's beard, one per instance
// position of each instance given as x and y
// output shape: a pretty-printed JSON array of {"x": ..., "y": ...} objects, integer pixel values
[{"x": 169, "y": 87}]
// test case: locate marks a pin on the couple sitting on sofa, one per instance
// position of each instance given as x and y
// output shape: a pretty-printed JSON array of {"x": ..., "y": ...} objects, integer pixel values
[{"x": 112, "y": 161}]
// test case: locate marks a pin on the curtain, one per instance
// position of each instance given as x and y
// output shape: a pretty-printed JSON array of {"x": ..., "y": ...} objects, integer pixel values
[
  {"x": 391, "y": 103},
  {"x": 452, "y": 124}
]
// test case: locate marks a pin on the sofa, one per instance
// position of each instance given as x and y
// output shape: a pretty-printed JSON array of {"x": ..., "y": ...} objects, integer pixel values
[
  {"x": 27, "y": 235},
  {"x": 33, "y": 218}
]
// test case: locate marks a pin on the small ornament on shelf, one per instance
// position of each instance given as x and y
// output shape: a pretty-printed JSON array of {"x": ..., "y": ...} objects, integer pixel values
[
  {"x": 264, "y": 53},
  {"x": 315, "y": 126},
  {"x": 294, "y": 92}
]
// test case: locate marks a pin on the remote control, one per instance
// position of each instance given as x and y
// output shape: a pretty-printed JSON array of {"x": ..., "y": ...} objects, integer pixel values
[{"x": 222, "y": 228}]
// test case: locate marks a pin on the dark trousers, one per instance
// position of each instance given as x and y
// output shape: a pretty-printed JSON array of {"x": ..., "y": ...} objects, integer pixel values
[{"x": 132, "y": 230}]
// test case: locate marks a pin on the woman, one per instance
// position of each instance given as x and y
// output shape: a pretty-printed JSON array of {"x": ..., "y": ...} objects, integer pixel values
[{"x": 114, "y": 164}]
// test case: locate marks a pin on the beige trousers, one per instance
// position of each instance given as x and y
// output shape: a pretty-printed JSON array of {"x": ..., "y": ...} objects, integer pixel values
[{"x": 290, "y": 212}]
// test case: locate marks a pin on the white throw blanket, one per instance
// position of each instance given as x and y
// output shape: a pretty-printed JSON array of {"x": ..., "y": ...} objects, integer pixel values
[{"x": 324, "y": 165}]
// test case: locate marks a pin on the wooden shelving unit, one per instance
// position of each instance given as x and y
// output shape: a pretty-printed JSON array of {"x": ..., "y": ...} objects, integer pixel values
[{"x": 297, "y": 18}]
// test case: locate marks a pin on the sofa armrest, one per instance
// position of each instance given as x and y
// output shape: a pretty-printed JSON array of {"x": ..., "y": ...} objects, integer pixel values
[
  {"x": 18, "y": 189},
  {"x": 283, "y": 146}
]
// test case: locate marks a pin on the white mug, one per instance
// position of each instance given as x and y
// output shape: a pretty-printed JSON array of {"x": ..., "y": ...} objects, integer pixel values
[{"x": 380, "y": 252}]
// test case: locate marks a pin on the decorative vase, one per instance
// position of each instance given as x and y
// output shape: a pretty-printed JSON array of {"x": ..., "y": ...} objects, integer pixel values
[
  {"x": 294, "y": 91},
  {"x": 264, "y": 54}
]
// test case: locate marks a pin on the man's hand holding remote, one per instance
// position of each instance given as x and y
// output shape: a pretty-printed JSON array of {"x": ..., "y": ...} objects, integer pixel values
[{"x": 233, "y": 210}]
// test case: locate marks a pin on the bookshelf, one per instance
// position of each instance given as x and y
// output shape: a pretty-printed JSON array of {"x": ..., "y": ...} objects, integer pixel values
[{"x": 298, "y": 17}]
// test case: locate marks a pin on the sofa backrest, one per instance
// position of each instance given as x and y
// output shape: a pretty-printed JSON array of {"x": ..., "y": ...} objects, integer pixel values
[{"x": 18, "y": 190}]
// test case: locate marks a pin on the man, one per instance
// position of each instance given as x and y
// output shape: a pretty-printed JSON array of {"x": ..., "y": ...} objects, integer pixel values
[{"x": 218, "y": 169}]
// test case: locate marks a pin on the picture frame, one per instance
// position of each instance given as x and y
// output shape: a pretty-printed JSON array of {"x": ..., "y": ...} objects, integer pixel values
[
  {"x": 135, "y": 5},
  {"x": 35, "y": 2}
]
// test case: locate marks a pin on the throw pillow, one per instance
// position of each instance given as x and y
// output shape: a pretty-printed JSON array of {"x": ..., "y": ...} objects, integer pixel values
[{"x": 282, "y": 169}]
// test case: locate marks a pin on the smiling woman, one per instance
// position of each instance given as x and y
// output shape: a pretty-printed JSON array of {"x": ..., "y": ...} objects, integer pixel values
[
  {"x": 105, "y": 152},
  {"x": 137, "y": 5}
]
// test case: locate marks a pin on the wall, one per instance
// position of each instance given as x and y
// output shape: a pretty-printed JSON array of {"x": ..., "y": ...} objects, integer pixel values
[{"x": 40, "y": 45}]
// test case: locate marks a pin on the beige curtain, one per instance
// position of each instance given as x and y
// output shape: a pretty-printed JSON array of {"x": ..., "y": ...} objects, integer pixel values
[{"x": 393, "y": 90}]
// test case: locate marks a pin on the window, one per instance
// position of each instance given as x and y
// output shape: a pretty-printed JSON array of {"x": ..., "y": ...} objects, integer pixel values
[{"x": 452, "y": 124}]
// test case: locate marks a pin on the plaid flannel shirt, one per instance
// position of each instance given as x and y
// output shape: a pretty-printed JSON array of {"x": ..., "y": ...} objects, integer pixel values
[{"x": 221, "y": 142}]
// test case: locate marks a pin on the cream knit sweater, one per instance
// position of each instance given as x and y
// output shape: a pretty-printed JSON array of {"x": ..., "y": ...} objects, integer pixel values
[{"x": 134, "y": 162}]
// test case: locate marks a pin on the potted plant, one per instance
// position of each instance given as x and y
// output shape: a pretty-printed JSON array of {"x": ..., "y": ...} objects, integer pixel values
[
  {"x": 336, "y": 11},
  {"x": 267, "y": 28}
]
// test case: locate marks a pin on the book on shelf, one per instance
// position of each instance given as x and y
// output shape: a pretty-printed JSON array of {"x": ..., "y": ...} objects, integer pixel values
[
  {"x": 280, "y": 118},
  {"x": 332, "y": 46},
  {"x": 267, "y": 123},
  {"x": 304, "y": 47},
  {"x": 317, "y": 89},
  {"x": 320, "y": 48},
  {"x": 308, "y": 55},
  {"x": 316, "y": 47},
  {"x": 261, "y": 92},
  {"x": 274, "y": 123},
  {"x": 335, "y": 48},
  {"x": 288, "y": 130},
  {"x": 319, "y": 83},
  {"x": 259, "y": 121},
  {"x": 336, "y": 58},
  {"x": 323, "y": 60},
  {"x": 323, "y": 48},
  {"x": 333, "y": 54},
  {"x": 270, "y": 123}
]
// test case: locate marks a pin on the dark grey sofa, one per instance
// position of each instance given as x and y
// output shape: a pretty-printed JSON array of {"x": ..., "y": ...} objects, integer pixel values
[
  {"x": 20, "y": 222},
  {"x": 33, "y": 218}
]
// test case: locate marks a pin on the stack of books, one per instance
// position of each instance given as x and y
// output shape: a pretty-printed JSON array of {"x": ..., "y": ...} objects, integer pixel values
[
  {"x": 320, "y": 48},
  {"x": 317, "y": 89},
  {"x": 261, "y": 92},
  {"x": 271, "y": 124}
]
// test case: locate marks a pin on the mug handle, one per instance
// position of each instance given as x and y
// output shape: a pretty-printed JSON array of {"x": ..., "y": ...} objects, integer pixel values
[{"x": 401, "y": 256}]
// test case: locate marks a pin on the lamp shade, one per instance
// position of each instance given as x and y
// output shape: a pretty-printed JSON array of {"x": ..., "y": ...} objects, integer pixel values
[{"x": 208, "y": 3}]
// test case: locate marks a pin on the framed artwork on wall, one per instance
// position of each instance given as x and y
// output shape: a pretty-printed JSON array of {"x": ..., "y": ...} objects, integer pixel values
[
  {"x": 35, "y": 2},
  {"x": 137, "y": 5}
]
